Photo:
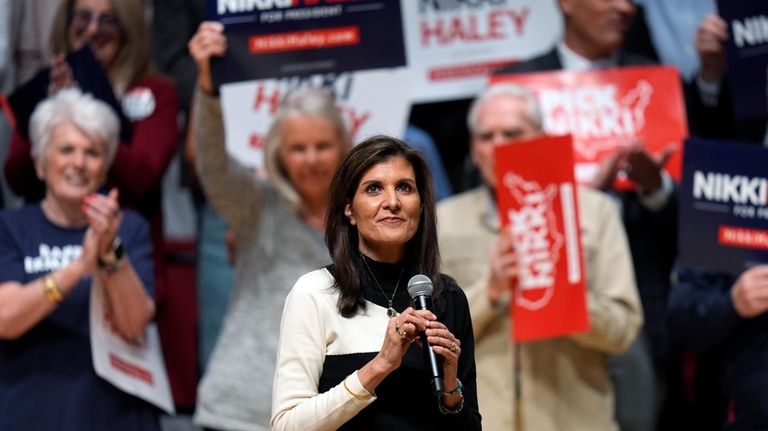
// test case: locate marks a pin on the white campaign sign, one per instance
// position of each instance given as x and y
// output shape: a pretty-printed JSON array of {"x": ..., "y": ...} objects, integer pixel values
[
  {"x": 372, "y": 102},
  {"x": 454, "y": 45},
  {"x": 137, "y": 369}
]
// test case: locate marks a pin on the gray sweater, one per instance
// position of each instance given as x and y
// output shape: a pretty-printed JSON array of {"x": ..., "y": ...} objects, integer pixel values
[{"x": 274, "y": 248}]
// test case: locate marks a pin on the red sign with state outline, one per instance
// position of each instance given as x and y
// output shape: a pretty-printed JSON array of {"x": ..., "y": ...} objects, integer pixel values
[
  {"x": 538, "y": 204},
  {"x": 610, "y": 108}
]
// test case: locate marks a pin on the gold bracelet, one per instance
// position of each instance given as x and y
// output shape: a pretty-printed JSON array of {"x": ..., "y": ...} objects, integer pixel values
[
  {"x": 52, "y": 290},
  {"x": 354, "y": 395}
]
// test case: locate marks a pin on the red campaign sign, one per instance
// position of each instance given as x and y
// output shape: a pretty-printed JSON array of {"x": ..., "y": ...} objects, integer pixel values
[
  {"x": 610, "y": 108},
  {"x": 538, "y": 204}
]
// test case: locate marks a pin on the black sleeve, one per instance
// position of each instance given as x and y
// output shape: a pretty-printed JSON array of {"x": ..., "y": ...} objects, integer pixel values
[
  {"x": 701, "y": 312},
  {"x": 719, "y": 121},
  {"x": 459, "y": 321}
]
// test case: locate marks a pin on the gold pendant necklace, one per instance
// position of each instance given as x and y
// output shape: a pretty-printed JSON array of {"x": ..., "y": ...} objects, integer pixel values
[{"x": 390, "y": 309}]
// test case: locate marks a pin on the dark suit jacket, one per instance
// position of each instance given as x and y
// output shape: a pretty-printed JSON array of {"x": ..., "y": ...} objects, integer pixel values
[
  {"x": 719, "y": 121},
  {"x": 551, "y": 61},
  {"x": 652, "y": 234}
]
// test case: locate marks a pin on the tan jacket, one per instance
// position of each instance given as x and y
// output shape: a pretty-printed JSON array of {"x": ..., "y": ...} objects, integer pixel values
[{"x": 564, "y": 382}]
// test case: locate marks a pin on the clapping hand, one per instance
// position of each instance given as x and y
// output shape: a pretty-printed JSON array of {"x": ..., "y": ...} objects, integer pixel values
[{"x": 104, "y": 219}]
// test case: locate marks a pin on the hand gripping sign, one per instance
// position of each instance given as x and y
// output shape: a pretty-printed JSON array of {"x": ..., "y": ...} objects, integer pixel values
[{"x": 538, "y": 205}]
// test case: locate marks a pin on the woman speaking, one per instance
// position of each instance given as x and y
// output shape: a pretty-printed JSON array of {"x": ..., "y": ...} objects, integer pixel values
[{"x": 346, "y": 356}]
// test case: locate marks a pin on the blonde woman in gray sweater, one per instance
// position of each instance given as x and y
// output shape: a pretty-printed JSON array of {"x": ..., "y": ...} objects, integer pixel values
[{"x": 279, "y": 230}]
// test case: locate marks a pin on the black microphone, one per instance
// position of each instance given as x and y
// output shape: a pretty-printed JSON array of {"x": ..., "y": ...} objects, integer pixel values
[{"x": 420, "y": 289}]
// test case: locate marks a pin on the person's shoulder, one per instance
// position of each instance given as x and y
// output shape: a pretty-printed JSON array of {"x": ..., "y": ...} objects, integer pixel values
[
  {"x": 449, "y": 283},
  {"x": 460, "y": 212},
  {"x": 18, "y": 224},
  {"x": 154, "y": 80},
  {"x": 24, "y": 215},
  {"x": 595, "y": 203},
  {"x": 134, "y": 225},
  {"x": 703, "y": 277},
  {"x": 313, "y": 291},
  {"x": 451, "y": 287},
  {"x": 629, "y": 58},
  {"x": 132, "y": 219},
  {"x": 316, "y": 275},
  {"x": 452, "y": 293},
  {"x": 591, "y": 196},
  {"x": 546, "y": 61},
  {"x": 458, "y": 204},
  {"x": 316, "y": 283},
  {"x": 159, "y": 85}
]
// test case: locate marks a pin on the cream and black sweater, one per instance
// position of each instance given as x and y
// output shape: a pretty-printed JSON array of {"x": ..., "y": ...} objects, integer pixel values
[{"x": 319, "y": 349}]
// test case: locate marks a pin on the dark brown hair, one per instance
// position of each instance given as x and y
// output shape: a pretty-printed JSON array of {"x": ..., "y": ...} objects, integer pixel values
[{"x": 341, "y": 237}]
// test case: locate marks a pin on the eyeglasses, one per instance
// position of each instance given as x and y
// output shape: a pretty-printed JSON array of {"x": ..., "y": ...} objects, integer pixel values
[{"x": 106, "y": 23}]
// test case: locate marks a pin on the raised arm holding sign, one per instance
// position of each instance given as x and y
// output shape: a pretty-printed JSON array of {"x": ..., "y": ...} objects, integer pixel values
[{"x": 267, "y": 52}]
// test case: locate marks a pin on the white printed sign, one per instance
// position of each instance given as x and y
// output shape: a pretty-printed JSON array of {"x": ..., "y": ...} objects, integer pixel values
[
  {"x": 137, "y": 369},
  {"x": 372, "y": 102},
  {"x": 454, "y": 45}
]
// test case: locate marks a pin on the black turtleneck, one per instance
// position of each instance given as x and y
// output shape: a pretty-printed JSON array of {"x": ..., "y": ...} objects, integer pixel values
[{"x": 390, "y": 276}]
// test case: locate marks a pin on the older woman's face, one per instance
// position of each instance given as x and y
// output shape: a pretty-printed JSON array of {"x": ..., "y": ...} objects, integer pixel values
[
  {"x": 310, "y": 151},
  {"x": 73, "y": 164},
  {"x": 94, "y": 22},
  {"x": 386, "y": 208}
]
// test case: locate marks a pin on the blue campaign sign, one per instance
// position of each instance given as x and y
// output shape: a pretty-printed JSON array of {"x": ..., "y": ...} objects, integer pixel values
[
  {"x": 747, "y": 54},
  {"x": 723, "y": 223},
  {"x": 280, "y": 38}
]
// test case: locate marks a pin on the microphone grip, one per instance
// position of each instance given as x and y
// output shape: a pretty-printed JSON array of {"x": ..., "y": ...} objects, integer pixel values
[
  {"x": 433, "y": 362},
  {"x": 422, "y": 302}
]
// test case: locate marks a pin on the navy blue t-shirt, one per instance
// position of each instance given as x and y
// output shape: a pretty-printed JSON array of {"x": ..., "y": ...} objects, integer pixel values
[{"x": 47, "y": 380}]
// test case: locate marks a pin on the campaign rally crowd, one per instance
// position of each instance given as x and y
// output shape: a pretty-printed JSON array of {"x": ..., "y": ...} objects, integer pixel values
[{"x": 360, "y": 280}]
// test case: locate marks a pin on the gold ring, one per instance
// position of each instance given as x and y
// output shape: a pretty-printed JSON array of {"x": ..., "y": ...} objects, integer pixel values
[
  {"x": 402, "y": 334},
  {"x": 453, "y": 347}
]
